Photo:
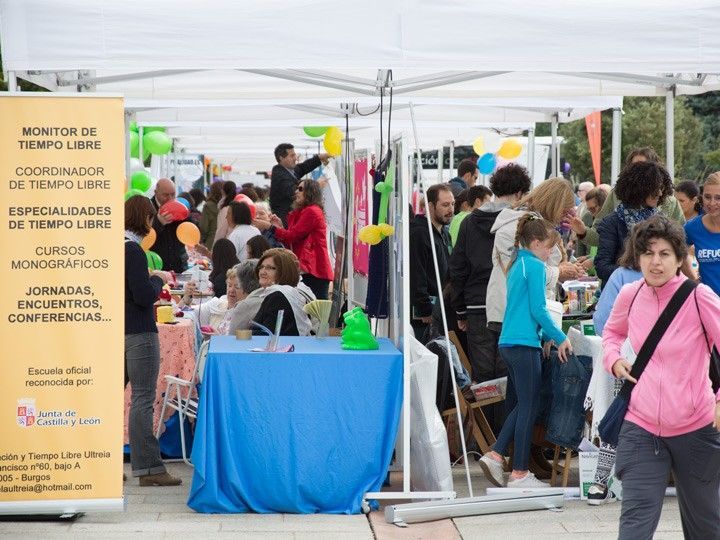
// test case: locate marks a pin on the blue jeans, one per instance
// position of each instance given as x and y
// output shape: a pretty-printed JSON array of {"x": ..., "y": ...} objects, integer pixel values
[
  {"x": 525, "y": 370},
  {"x": 142, "y": 365},
  {"x": 569, "y": 386}
]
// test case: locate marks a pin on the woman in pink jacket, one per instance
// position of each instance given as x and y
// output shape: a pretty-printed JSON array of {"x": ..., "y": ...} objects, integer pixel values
[{"x": 673, "y": 417}]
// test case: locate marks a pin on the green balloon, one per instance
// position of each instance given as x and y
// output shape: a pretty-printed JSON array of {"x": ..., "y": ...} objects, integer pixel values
[
  {"x": 132, "y": 192},
  {"x": 134, "y": 144},
  {"x": 141, "y": 181},
  {"x": 157, "y": 143},
  {"x": 150, "y": 129},
  {"x": 154, "y": 261},
  {"x": 133, "y": 126},
  {"x": 315, "y": 131}
]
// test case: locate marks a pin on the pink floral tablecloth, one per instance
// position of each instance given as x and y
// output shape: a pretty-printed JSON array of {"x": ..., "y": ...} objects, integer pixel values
[{"x": 177, "y": 357}]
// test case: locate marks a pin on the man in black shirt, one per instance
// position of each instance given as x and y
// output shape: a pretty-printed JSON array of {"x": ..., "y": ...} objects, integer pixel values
[
  {"x": 286, "y": 175},
  {"x": 424, "y": 291}
]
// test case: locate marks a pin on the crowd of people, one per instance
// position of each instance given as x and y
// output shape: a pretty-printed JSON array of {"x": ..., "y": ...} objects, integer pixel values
[
  {"x": 499, "y": 275},
  {"x": 502, "y": 253},
  {"x": 268, "y": 250}
]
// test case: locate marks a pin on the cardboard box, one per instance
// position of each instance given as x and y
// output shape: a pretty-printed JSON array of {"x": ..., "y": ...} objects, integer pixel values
[{"x": 587, "y": 463}]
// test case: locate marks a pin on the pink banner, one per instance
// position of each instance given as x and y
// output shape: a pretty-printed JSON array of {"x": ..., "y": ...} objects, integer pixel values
[{"x": 361, "y": 217}]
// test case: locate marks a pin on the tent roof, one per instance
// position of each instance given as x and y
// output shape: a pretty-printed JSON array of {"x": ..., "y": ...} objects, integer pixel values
[{"x": 665, "y": 36}]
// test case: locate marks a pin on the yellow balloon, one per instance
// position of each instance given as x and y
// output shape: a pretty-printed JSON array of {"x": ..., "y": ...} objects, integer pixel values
[
  {"x": 149, "y": 240},
  {"x": 386, "y": 230},
  {"x": 510, "y": 149},
  {"x": 188, "y": 234},
  {"x": 370, "y": 234},
  {"x": 479, "y": 146},
  {"x": 332, "y": 147},
  {"x": 333, "y": 141}
]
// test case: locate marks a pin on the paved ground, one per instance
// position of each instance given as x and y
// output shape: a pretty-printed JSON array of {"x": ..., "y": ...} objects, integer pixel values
[{"x": 162, "y": 513}]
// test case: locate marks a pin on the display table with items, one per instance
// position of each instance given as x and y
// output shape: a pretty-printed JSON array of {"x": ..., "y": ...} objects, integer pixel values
[{"x": 306, "y": 431}]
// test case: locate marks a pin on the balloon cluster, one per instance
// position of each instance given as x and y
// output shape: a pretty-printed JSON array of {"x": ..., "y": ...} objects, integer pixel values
[
  {"x": 489, "y": 162},
  {"x": 332, "y": 142},
  {"x": 155, "y": 141},
  {"x": 374, "y": 234}
]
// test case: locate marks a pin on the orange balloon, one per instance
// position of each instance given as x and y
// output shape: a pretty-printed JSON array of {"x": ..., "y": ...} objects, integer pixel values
[
  {"x": 188, "y": 234},
  {"x": 149, "y": 240}
]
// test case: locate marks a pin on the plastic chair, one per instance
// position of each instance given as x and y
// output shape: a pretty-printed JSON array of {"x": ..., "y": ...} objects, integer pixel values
[{"x": 179, "y": 396}]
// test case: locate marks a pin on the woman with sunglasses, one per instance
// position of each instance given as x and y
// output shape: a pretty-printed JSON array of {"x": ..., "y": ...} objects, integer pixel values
[{"x": 306, "y": 236}]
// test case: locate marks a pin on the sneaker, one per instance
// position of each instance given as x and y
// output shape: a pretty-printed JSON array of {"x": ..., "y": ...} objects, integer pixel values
[
  {"x": 493, "y": 470},
  {"x": 160, "y": 479},
  {"x": 527, "y": 481},
  {"x": 600, "y": 494}
]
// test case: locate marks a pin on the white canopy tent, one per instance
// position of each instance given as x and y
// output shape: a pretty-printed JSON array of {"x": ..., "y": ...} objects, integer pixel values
[
  {"x": 327, "y": 54},
  {"x": 246, "y": 131},
  {"x": 168, "y": 50}
]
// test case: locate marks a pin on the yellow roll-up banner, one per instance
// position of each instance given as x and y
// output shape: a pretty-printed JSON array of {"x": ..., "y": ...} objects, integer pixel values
[{"x": 62, "y": 178}]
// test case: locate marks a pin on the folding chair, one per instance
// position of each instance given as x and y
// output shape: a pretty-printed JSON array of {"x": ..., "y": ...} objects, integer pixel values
[
  {"x": 180, "y": 396},
  {"x": 482, "y": 432}
]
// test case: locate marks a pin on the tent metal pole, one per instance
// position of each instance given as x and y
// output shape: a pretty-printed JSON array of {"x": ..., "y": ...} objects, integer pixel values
[
  {"x": 441, "y": 302},
  {"x": 84, "y": 80},
  {"x": 284, "y": 74},
  {"x": 12, "y": 81},
  {"x": 531, "y": 152},
  {"x": 670, "y": 131},
  {"x": 616, "y": 145},
  {"x": 128, "y": 115},
  {"x": 451, "y": 166},
  {"x": 553, "y": 146},
  {"x": 440, "y": 164},
  {"x": 141, "y": 130}
]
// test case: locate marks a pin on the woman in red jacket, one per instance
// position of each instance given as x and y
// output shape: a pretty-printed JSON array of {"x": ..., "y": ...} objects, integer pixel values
[{"x": 306, "y": 236}]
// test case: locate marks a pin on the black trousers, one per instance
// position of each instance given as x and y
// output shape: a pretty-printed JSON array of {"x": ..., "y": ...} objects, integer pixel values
[
  {"x": 318, "y": 286},
  {"x": 482, "y": 345}
]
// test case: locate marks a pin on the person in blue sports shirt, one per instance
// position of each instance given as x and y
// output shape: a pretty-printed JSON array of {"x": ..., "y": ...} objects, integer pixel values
[
  {"x": 526, "y": 322},
  {"x": 703, "y": 232}
]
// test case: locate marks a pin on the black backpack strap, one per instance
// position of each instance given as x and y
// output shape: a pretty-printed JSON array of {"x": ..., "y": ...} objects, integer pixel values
[
  {"x": 714, "y": 359},
  {"x": 656, "y": 334}
]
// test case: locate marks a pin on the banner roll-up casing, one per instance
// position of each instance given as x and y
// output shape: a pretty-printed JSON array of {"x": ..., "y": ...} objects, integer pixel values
[{"x": 62, "y": 178}]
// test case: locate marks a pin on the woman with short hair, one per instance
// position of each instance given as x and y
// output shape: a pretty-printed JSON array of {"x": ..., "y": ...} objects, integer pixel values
[
  {"x": 673, "y": 415},
  {"x": 240, "y": 228},
  {"x": 277, "y": 272}
]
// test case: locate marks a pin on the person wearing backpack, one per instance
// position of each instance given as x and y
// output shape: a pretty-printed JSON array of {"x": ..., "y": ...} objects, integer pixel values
[{"x": 672, "y": 420}]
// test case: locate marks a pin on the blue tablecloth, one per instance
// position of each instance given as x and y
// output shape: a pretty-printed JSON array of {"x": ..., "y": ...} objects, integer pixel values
[{"x": 302, "y": 432}]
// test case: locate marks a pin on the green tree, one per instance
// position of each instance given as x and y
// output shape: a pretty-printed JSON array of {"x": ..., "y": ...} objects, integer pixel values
[{"x": 643, "y": 125}]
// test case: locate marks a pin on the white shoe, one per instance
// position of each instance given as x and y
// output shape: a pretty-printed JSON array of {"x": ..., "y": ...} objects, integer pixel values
[
  {"x": 527, "y": 481},
  {"x": 493, "y": 470}
]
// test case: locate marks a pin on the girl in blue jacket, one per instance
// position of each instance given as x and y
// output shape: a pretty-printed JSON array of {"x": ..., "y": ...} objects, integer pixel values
[{"x": 526, "y": 324}]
